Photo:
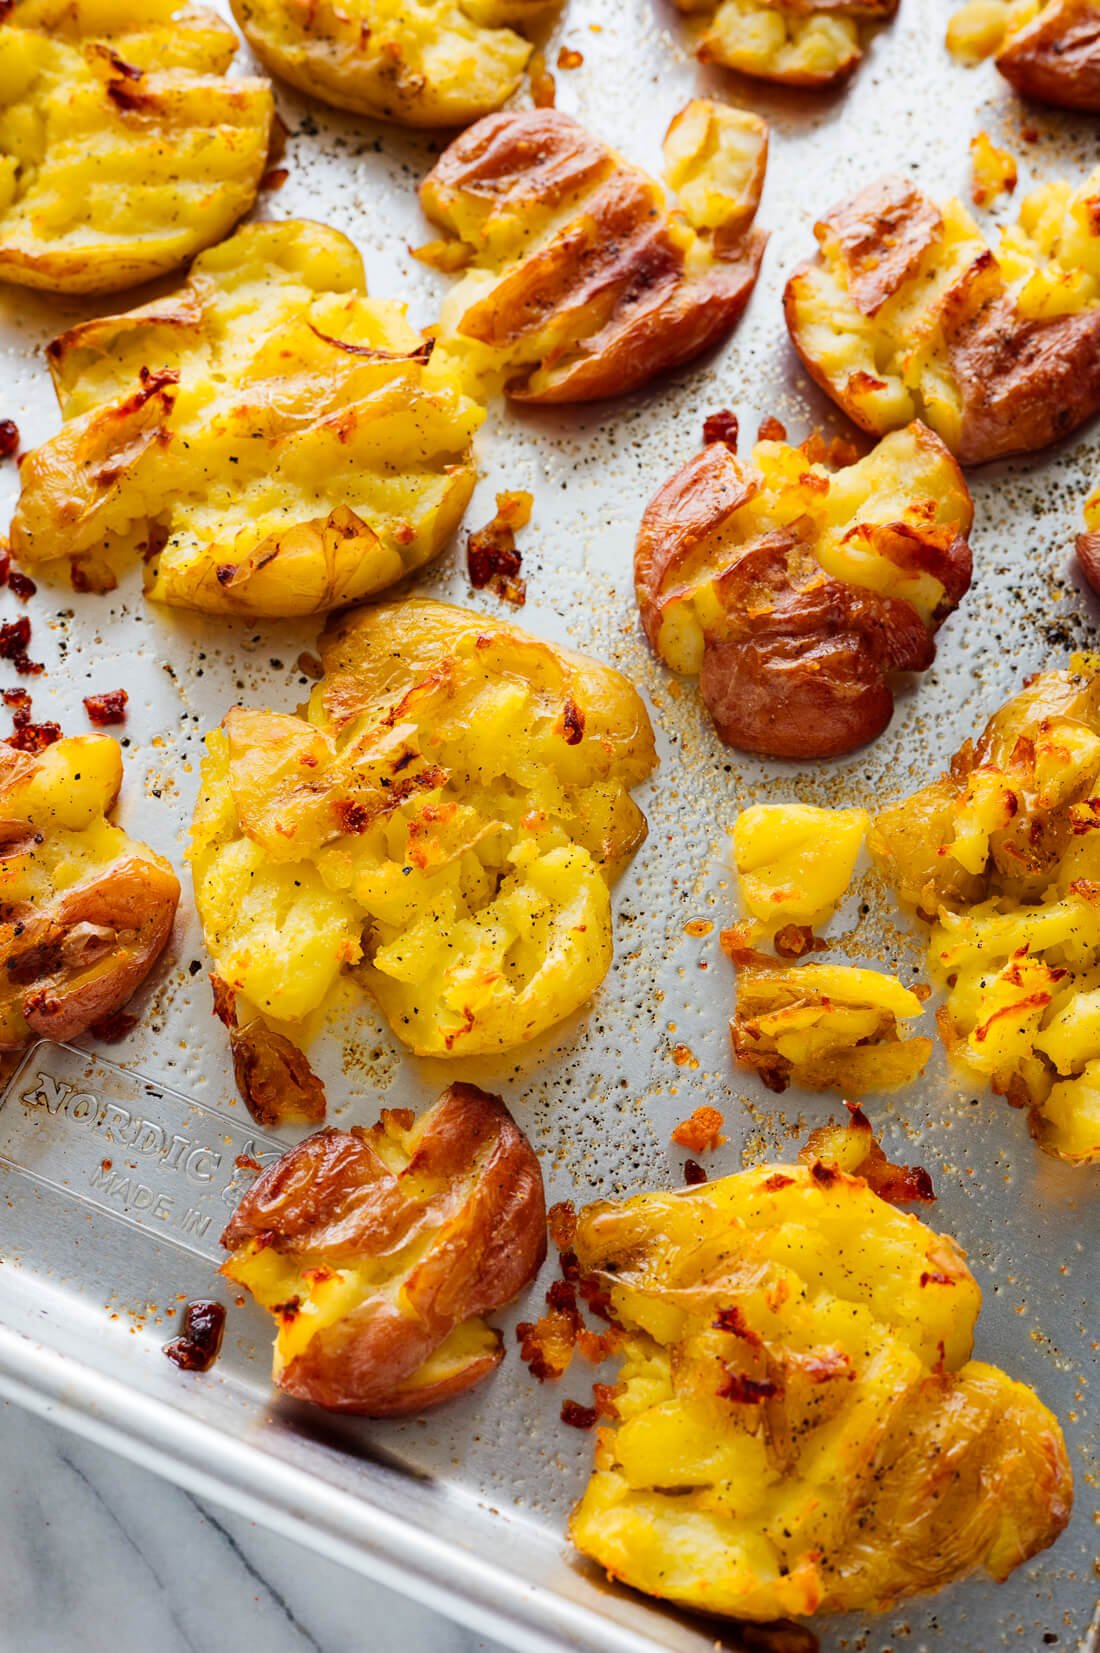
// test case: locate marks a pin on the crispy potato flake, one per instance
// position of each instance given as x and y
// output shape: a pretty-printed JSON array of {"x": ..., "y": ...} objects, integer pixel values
[
  {"x": 435, "y": 63},
  {"x": 450, "y": 812},
  {"x": 1050, "y": 51},
  {"x": 908, "y": 313},
  {"x": 1001, "y": 858},
  {"x": 124, "y": 146},
  {"x": 789, "y": 41},
  {"x": 850, "y": 1146},
  {"x": 1088, "y": 543},
  {"x": 824, "y": 1026},
  {"x": 86, "y": 910},
  {"x": 794, "y": 589},
  {"x": 799, "y": 1425},
  {"x": 294, "y": 450},
  {"x": 702, "y": 1132},
  {"x": 381, "y": 1251},
  {"x": 992, "y": 171},
  {"x": 581, "y": 281}
]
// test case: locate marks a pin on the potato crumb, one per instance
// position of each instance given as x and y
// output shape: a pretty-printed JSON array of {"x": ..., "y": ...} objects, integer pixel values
[
  {"x": 993, "y": 170},
  {"x": 701, "y": 1132}
]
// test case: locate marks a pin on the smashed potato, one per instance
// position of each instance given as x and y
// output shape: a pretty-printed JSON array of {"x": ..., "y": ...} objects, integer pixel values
[
  {"x": 448, "y": 817},
  {"x": 435, "y": 63},
  {"x": 1001, "y": 858},
  {"x": 379, "y": 1252},
  {"x": 800, "y": 1427},
  {"x": 286, "y": 454},
  {"x": 124, "y": 146},
  {"x": 85, "y": 910},
  {"x": 823, "y": 1026},
  {"x": 794, "y": 862},
  {"x": 1049, "y": 51},
  {"x": 907, "y": 313},
  {"x": 793, "y": 589},
  {"x": 333, "y": 378},
  {"x": 789, "y": 41},
  {"x": 580, "y": 280}
]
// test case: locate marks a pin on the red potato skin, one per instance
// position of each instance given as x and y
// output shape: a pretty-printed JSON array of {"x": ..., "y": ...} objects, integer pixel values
[
  {"x": 1022, "y": 384},
  {"x": 804, "y": 669},
  {"x": 612, "y": 282},
  {"x": 1088, "y": 559},
  {"x": 331, "y": 1200},
  {"x": 55, "y": 956},
  {"x": 1056, "y": 57}
]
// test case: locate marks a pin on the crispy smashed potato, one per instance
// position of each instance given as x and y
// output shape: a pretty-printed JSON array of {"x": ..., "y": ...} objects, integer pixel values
[
  {"x": 379, "y": 1252},
  {"x": 286, "y": 452},
  {"x": 789, "y": 41},
  {"x": 907, "y": 313},
  {"x": 436, "y": 63},
  {"x": 800, "y": 1425},
  {"x": 448, "y": 816},
  {"x": 580, "y": 280},
  {"x": 993, "y": 171},
  {"x": 1088, "y": 543},
  {"x": 794, "y": 862},
  {"x": 1001, "y": 857},
  {"x": 823, "y": 1026},
  {"x": 124, "y": 146},
  {"x": 85, "y": 910},
  {"x": 1050, "y": 52},
  {"x": 850, "y": 1146},
  {"x": 794, "y": 589}
]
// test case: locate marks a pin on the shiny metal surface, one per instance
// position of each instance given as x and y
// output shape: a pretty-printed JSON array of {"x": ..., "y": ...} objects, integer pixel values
[{"x": 466, "y": 1507}]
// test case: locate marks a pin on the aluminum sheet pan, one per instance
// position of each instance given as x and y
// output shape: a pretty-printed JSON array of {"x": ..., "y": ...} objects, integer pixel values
[{"x": 466, "y": 1507}]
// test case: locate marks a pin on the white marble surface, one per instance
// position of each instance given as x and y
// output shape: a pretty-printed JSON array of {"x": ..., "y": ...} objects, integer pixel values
[{"x": 97, "y": 1555}]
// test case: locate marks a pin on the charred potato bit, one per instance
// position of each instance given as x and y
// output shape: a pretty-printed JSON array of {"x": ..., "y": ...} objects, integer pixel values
[
  {"x": 794, "y": 862},
  {"x": 124, "y": 146},
  {"x": 824, "y": 1026},
  {"x": 379, "y": 1252},
  {"x": 290, "y": 449},
  {"x": 581, "y": 280},
  {"x": 1001, "y": 858},
  {"x": 1088, "y": 543},
  {"x": 1048, "y": 52},
  {"x": 435, "y": 63},
  {"x": 794, "y": 590},
  {"x": 851, "y": 1147},
  {"x": 449, "y": 814},
  {"x": 907, "y": 313},
  {"x": 800, "y": 1425},
  {"x": 85, "y": 911},
  {"x": 793, "y": 42}
]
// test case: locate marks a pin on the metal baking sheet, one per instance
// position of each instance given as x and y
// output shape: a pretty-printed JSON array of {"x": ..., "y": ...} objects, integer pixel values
[{"x": 466, "y": 1506}]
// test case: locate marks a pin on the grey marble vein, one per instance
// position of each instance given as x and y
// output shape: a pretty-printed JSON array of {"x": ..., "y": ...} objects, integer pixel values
[{"x": 97, "y": 1556}]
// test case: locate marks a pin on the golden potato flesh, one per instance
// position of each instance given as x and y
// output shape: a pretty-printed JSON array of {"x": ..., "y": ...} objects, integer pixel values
[
  {"x": 794, "y": 589},
  {"x": 289, "y": 451},
  {"x": 1050, "y": 51},
  {"x": 907, "y": 313},
  {"x": 800, "y": 1427},
  {"x": 824, "y": 1026},
  {"x": 789, "y": 41},
  {"x": 794, "y": 862},
  {"x": 380, "y": 1253},
  {"x": 124, "y": 146},
  {"x": 435, "y": 63},
  {"x": 85, "y": 910},
  {"x": 1000, "y": 856},
  {"x": 448, "y": 816},
  {"x": 580, "y": 279}
]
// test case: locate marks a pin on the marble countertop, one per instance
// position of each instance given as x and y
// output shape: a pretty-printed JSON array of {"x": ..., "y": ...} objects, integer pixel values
[{"x": 98, "y": 1554}]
